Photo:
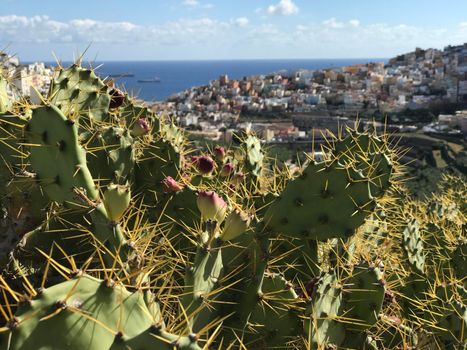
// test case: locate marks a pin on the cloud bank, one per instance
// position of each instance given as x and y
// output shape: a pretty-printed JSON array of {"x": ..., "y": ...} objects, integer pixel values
[{"x": 205, "y": 38}]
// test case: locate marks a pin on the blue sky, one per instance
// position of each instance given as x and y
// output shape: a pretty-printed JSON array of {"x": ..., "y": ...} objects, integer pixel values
[{"x": 224, "y": 29}]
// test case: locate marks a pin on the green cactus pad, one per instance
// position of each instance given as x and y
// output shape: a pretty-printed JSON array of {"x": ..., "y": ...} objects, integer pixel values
[
  {"x": 437, "y": 246},
  {"x": 160, "y": 159},
  {"x": 369, "y": 154},
  {"x": 5, "y": 101},
  {"x": 357, "y": 142},
  {"x": 65, "y": 229},
  {"x": 116, "y": 199},
  {"x": 200, "y": 281},
  {"x": 82, "y": 313},
  {"x": 344, "y": 305},
  {"x": 412, "y": 294},
  {"x": 131, "y": 111},
  {"x": 179, "y": 209},
  {"x": 375, "y": 230},
  {"x": 26, "y": 204},
  {"x": 173, "y": 134},
  {"x": 300, "y": 256},
  {"x": 379, "y": 170},
  {"x": 325, "y": 201},
  {"x": 156, "y": 338},
  {"x": 12, "y": 154},
  {"x": 273, "y": 320},
  {"x": 447, "y": 314},
  {"x": 459, "y": 261},
  {"x": 322, "y": 325},
  {"x": 57, "y": 157},
  {"x": 254, "y": 155},
  {"x": 79, "y": 92},
  {"x": 412, "y": 244},
  {"x": 111, "y": 156},
  {"x": 363, "y": 295}
]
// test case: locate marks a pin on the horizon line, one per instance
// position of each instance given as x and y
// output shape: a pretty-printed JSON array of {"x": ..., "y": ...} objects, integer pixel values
[{"x": 214, "y": 59}]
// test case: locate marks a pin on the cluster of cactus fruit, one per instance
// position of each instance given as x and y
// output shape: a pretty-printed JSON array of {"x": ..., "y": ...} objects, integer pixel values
[{"x": 116, "y": 234}]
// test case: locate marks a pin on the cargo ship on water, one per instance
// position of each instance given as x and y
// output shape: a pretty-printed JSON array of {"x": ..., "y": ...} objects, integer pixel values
[
  {"x": 152, "y": 80},
  {"x": 122, "y": 75}
]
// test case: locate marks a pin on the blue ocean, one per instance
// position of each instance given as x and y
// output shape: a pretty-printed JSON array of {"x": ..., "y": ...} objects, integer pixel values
[{"x": 176, "y": 76}]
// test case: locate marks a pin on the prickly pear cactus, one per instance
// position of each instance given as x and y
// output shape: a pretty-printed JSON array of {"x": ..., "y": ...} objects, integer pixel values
[
  {"x": 325, "y": 201},
  {"x": 274, "y": 319},
  {"x": 94, "y": 314},
  {"x": 5, "y": 101},
  {"x": 446, "y": 313},
  {"x": 57, "y": 157},
  {"x": 117, "y": 234},
  {"x": 12, "y": 151},
  {"x": 131, "y": 112},
  {"x": 116, "y": 199},
  {"x": 413, "y": 246},
  {"x": 254, "y": 155},
  {"x": 160, "y": 159},
  {"x": 459, "y": 261},
  {"x": 200, "y": 281},
  {"x": 110, "y": 155},
  {"x": 341, "y": 309},
  {"x": 80, "y": 93}
]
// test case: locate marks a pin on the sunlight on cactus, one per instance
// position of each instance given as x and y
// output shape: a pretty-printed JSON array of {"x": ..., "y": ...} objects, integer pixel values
[{"x": 118, "y": 234}]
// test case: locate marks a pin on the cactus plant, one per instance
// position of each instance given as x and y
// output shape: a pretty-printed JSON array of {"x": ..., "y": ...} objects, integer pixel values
[
  {"x": 79, "y": 93},
  {"x": 92, "y": 314},
  {"x": 225, "y": 251},
  {"x": 5, "y": 101}
]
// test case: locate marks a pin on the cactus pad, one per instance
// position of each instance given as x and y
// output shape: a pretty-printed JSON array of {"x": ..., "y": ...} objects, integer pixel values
[
  {"x": 56, "y": 156},
  {"x": 78, "y": 91},
  {"x": 325, "y": 201}
]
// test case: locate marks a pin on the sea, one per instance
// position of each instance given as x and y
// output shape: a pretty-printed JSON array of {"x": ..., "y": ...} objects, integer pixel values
[{"x": 176, "y": 76}]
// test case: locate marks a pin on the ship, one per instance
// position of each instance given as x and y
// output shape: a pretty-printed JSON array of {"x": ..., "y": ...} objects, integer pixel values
[
  {"x": 153, "y": 80},
  {"x": 122, "y": 75}
]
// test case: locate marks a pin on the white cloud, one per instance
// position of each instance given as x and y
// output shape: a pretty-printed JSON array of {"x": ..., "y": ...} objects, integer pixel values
[
  {"x": 191, "y": 3},
  {"x": 210, "y": 38},
  {"x": 41, "y": 29},
  {"x": 333, "y": 23},
  {"x": 241, "y": 21},
  {"x": 283, "y": 8},
  {"x": 341, "y": 38}
]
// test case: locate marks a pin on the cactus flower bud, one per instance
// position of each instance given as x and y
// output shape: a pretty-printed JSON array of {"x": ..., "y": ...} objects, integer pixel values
[
  {"x": 116, "y": 200},
  {"x": 205, "y": 165},
  {"x": 236, "y": 223},
  {"x": 170, "y": 185},
  {"x": 116, "y": 98},
  {"x": 219, "y": 152},
  {"x": 227, "y": 169},
  {"x": 211, "y": 206},
  {"x": 140, "y": 128}
]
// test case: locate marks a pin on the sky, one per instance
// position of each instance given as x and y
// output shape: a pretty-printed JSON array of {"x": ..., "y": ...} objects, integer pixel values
[{"x": 227, "y": 29}]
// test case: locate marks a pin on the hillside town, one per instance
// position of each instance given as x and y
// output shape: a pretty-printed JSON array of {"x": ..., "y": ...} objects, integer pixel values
[
  {"x": 406, "y": 87},
  {"x": 289, "y": 106}
]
